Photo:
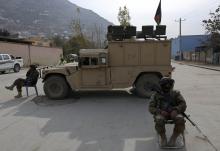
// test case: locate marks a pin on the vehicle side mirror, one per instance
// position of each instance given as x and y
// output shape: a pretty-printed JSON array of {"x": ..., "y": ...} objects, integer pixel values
[{"x": 103, "y": 60}]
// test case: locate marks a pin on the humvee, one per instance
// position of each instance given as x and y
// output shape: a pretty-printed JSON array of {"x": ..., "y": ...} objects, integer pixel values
[
  {"x": 129, "y": 63},
  {"x": 126, "y": 62}
]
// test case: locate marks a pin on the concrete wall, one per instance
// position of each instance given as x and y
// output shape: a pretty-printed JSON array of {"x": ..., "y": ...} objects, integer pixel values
[
  {"x": 205, "y": 56},
  {"x": 187, "y": 55},
  {"x": 209, "y": 56},
  {"x": 17, "y": 50},
  {"x": 202, "y": 57},
  {"x": 216, "y": 58},
  {"x": 45, "y": 55},
  {"x": 32, "y": 54}
]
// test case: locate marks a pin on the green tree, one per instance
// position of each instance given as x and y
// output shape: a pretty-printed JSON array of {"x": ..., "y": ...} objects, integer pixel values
[
  {"x": 78, "y": 40},
  {"x": 58, "y": 41},
  {"x": 4, "y": 33},
  {"x": 124, "y": 16},
  {"x": 212, "y": 27},
  {"x": 74, "y": 44}
]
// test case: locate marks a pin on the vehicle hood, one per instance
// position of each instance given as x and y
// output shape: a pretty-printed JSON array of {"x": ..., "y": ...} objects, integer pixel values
[{"x": 64, "y": 70}]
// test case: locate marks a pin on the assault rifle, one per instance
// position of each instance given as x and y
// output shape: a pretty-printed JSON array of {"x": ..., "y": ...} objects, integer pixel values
[{"x": 200, "y": 131}]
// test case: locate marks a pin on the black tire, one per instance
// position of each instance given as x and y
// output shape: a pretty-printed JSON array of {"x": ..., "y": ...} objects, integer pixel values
[
  {"x": 146, "y": 85},
  {"x": 2, "y": 72},
  {"x": 16, "y": 68},
  {"x": 56, "y": 87}
]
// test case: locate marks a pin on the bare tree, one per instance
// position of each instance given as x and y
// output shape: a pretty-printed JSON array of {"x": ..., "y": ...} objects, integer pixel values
[
  {"x": 76, "y": 24},
  {"x": 212, "y": 27}
]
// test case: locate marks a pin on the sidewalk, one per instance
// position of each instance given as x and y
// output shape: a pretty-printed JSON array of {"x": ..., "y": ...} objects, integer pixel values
[{"x": 199, "y": 65}]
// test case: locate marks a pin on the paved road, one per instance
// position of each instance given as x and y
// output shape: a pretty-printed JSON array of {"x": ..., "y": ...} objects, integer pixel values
[
  {"x": 104, "y": 121},
  {"x": 201, "y": 89}
]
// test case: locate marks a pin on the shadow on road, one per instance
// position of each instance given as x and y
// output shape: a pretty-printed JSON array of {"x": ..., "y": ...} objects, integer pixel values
[
  {"x": 81, "y": 96},
  {"x": 44, "y": 101},
  {"x": 11, "y": 103},
  {"x": 100, "y": 94},
  {"x": 8, "y": 72},
  {"x": 110, "y": 121}
]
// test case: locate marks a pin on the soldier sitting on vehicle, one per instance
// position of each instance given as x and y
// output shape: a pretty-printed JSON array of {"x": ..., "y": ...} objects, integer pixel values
[
  {"x": 31, "y": 79},
  {"x": 168, "y": 104}
]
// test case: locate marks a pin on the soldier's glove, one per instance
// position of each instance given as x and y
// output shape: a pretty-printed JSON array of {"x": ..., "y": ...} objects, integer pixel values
[
  {"x": 164, "y": 113},
  {"x": 173, "y": 114}
]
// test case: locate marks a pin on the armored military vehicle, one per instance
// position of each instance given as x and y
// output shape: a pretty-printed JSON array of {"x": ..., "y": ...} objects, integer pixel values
[{"x": 136, "y": 63}]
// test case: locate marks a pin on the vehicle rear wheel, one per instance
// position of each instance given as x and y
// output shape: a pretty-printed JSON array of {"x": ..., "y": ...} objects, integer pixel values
[
  {"x": 16, "y": 68},
  {"x": 2, "y": 72},
  {"x": 146, "y": 85},
  {"x": 56, "y": 87}
]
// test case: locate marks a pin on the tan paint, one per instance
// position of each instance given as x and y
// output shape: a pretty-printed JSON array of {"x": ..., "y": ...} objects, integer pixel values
[{"x": 125, "y": 61}]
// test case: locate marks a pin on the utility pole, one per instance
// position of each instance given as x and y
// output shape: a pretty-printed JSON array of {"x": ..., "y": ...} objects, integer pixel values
[{"x": 180, "y": 36}]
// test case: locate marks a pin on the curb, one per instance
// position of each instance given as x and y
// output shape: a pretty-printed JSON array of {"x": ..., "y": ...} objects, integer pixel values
[
  {"x": 199, "y": 66},
  {"x": 203, "y": 67}
]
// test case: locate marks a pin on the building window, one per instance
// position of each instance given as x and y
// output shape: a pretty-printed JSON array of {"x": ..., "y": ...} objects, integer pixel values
[{"x": 103, "y": 58}]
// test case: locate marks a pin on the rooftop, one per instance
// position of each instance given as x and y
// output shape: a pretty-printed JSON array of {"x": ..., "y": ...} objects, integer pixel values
[{"x": 15, "y": 40}]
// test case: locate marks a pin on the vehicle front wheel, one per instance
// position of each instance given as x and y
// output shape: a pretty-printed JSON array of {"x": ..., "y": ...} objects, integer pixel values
[
  {"x": 56, "y": 87},
  {"x": 16, "y": 68},
  {"x": 146, "y": 85}
]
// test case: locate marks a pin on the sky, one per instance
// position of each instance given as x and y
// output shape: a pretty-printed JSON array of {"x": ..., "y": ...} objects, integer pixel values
[{"x": 142, "y": 13}]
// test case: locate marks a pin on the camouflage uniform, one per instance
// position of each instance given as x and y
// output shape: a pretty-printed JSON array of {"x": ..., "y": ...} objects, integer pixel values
[{"x": 168, "y": 102}]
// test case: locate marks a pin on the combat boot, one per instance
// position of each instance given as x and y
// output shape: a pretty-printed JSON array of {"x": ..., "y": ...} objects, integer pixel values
[
  {"x": 10, "y": 87},
  {"x": 163, "y": 140},
  {"x": 19, "y": 95},
  {"x": 172, "y": 141}
]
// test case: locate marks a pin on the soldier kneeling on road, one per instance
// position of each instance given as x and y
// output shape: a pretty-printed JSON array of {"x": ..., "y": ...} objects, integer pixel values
[
  {"x": 31, "y": 79},
  {"x": 168, "y": 104}
]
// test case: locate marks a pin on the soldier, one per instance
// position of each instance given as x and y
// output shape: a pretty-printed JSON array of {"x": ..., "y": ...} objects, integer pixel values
[
  {"x": 31, "y": 79},
  {"x": 168, "y": 104}
]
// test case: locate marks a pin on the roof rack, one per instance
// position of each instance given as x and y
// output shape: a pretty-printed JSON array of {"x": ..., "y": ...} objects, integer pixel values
[{"x": 119, "y": 33}]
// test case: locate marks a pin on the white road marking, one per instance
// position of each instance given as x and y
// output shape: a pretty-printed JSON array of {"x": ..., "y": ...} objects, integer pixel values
[{"x": 130, "y": 144}]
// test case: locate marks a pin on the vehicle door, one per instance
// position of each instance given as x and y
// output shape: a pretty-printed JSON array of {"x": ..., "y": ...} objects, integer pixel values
[
  {"x": 2, "y": 67},
  {"x": 7, "y": 63},
  {"x": 94, "y": 71}
]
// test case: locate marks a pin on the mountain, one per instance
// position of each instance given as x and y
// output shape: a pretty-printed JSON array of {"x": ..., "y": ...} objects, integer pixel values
[{"x": 49, "y": 17}]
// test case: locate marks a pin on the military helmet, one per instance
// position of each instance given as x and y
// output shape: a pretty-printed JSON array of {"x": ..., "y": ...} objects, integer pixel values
[{"x": 166, "y": 80}]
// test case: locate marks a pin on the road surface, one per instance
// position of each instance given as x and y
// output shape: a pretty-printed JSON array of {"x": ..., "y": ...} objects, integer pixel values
[{"x": 105, "y": 121}]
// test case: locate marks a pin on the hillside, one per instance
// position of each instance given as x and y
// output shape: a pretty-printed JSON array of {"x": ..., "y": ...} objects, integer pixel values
[{"x": 48, "y": 17}]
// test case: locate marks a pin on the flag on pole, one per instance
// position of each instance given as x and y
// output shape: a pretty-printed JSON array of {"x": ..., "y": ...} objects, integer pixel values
[{"x": 158, "y": 14}]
